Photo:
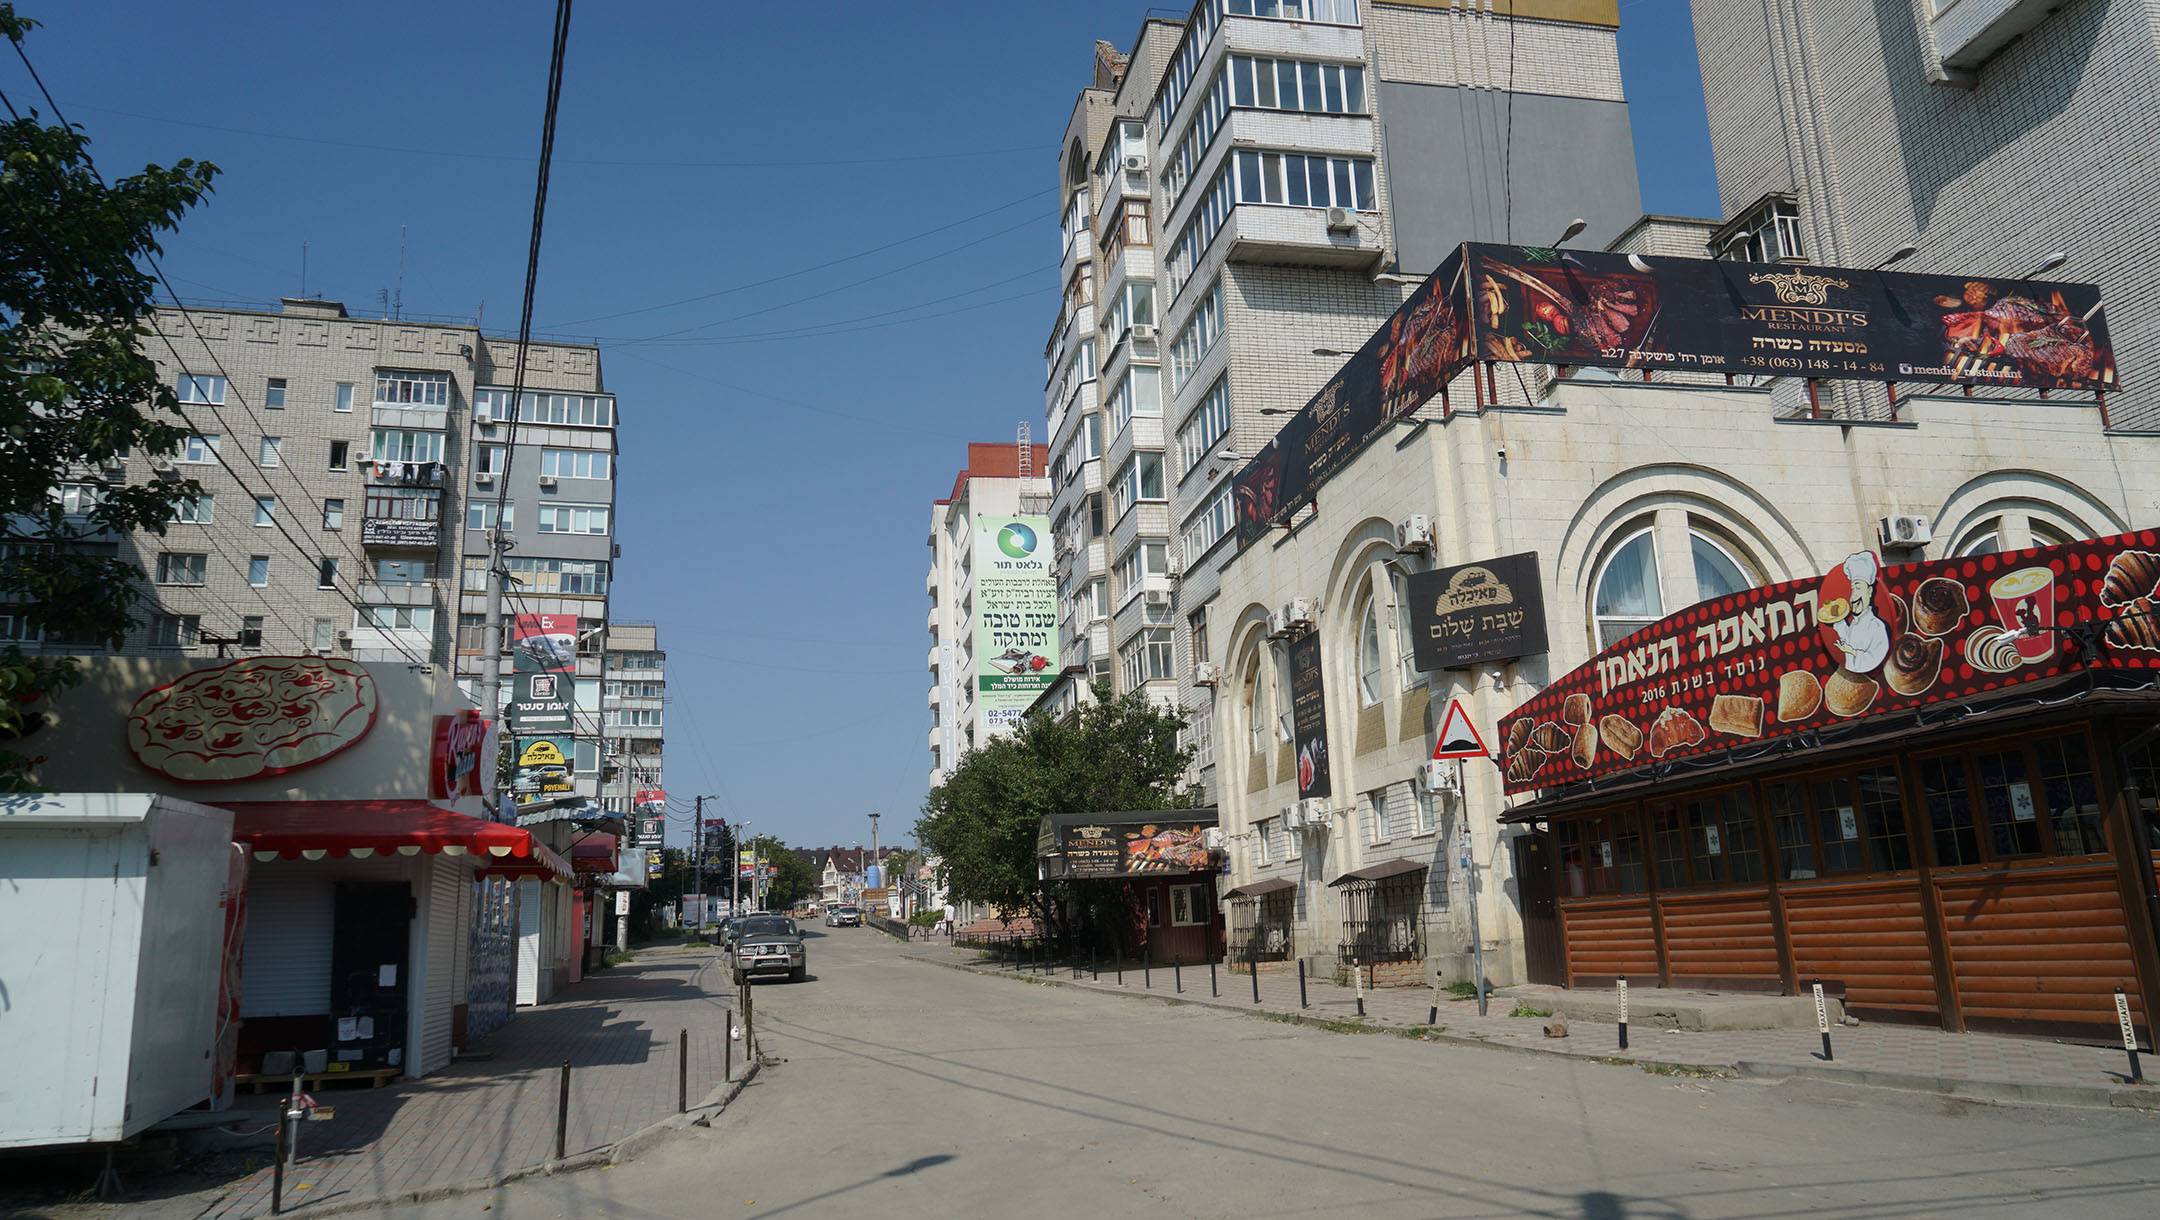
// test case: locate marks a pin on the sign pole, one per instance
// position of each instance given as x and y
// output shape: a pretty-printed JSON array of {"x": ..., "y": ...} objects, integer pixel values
[
  {"x": 1822, "y": 1018},
  {"x": 2129, "y": 1036},
  {"x": 1469, "y": 863}
]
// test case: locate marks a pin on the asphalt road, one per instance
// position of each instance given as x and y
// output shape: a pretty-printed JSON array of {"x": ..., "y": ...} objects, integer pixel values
[{"x": 915, "y": 1090}]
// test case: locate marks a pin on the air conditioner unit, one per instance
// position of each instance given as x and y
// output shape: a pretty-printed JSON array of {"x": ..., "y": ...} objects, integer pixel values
[
  {"x": 162, "y": 465},
  {"x": 1316, "y": 813},
  {"x": 483, "y": 478},
  {"x": 1158, "y": 597},
  {"x": 1293, "y": 815},
  {"x": 1174, "y": 565},
  {"x": 1906, "y": 529},
  {"x": 1143, "y": 333},
  {"x": 1414, "y": 534},
  {"x": 1437, "y": 776},
  {"x": 1211, "y": 838},
  {"x": 1135, "y": 162},
  {"x": 1341, "y": 220},
  {"x": 344, "y": 639},
  {"x": 484, "y": 413},
  {"x": 1301, "y": 613},
  {"x": 1204, "y": 674},
  {"x": 1278, "y": 625},
  {"x": 547, "y": 480}
]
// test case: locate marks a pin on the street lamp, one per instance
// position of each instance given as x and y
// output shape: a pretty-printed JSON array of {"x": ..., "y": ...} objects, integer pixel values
[
  {"x": 1574, "y": 227},
  {"x": 1898, "y": 255},
  {"x": 2048, "y": 264}
]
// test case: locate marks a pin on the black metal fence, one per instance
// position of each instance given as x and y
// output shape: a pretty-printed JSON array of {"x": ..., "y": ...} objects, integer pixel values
[
  {"x": 1261, "y": 929},
  {"x": 1384, "y": 920}
]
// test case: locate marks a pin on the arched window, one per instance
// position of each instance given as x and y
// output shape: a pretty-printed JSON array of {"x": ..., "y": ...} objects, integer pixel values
[
  {"x": 1285, "y": 726},
  {"x": 1626, "y": 598},
  {"x": 1987, "y": 542},
  {"x": 1255, "y": 710},
  {"x": 1717, "y": 573},
  {"x": 1992, "y": 536},
  {"x": 1399, "y": 583},
  {"x": 1370, "y": 684}
]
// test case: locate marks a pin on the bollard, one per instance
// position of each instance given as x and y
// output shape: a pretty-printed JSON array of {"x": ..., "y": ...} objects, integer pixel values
[
  {"x": 1255, "y": 964},
  {"x": 1822, "y": 1018},
  {"x": 2129, "y": 1036},
  {"x": 1177, "y": 973},
  {"x": 277, "y": 1165},
  {"x": 1357, "y": 980},
  {"x": 1302, "y": 1001},
  {"x": 682, "y": 1074},
  {"x": 1147, "y": 966},
  {"x": 1119, "y": 950},
  {"x": 1214, "y": 992},
  {"x": 1623, "y": 1012},
  {"x": 727, "y": 1056},
  {"x": 749, "y": 1026},
  {"x": 1095, "y": 961},
  {"x": 562, "y": 1114},
  {"x": 1432, "y": 1015}
]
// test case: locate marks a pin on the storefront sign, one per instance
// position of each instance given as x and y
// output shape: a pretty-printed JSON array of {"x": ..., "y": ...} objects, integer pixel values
[
  {"x": 1092, "y": 851},
  {"x": 1860, "y": 642},
  {"x": 1308, "y": 716},
  {"x": 1098, "y": 850},
  {"x": 544, "y": 765},
  {"x": 1489, "y": 611},
  {"x": 542, "y": 703},
  {"x": 455, "y": 764},
  {"x": 1524, "y": 305},
  {"x": 260, "y": 716},
  {"x": 1016, "y": 633},
  {"x": 651, "y": 800},
  {"x": 400, "y": 531}
]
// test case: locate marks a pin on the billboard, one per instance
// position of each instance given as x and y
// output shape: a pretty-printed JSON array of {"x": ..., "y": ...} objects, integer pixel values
[
  {"x": 1487, "y": 611},
  {"x": 1097, "y": 850},
  {"x": 1016, "y": 634},
  {"x": 543, "y": 692},
  {"x": 1528, "y": 305},
  {"x": 1308, "y": 717},
  {"x": 544, "y": 765},
  {"x": 1859, "y": 642}
]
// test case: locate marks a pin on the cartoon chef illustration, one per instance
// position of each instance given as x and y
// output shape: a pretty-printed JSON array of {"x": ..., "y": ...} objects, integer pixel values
[{"x": 1861, "y": 634}]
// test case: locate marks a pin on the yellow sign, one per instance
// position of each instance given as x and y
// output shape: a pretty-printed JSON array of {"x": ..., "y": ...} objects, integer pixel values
[{"x": 541, "y": 753}]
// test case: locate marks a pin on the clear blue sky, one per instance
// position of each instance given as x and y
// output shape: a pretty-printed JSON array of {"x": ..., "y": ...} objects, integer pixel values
[{"x": 780, "y": 456}]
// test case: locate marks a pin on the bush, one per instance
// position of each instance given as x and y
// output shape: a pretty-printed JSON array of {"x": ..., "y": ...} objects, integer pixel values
[
  {"x": 1526, "y": 1009},
  {"x": 1462, "y": 989},
  {"x": 927, "y": 919}
]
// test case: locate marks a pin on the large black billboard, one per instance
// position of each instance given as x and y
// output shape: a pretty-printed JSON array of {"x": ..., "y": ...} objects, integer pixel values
[
  {"x": 1308, "y": 716},
  {"x": 1488, "y": 611}
]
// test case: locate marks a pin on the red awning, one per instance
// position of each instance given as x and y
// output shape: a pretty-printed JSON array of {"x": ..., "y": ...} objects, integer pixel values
[
  {"x": 313, "y": 830},
  {"x": 594, "y": 853}
]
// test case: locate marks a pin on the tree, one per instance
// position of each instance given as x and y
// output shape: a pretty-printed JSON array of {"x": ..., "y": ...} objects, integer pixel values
[
  {"x": 900, "y": 868},
  {"x": 1117, "y": 753},
  {"x": 793, "y": 879},
  {"x": 77, "y": 392}
]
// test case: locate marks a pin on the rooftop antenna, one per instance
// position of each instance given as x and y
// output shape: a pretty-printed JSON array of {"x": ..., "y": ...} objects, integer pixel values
[
  {"x": 398, "y": 302},
  {"x": 303, "y": 270}
]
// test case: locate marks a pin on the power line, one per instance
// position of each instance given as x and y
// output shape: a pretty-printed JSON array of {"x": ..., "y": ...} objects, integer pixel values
[{"x": 836, "y": 326}]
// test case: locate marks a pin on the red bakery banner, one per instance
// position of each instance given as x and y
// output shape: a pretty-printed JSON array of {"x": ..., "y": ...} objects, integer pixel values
[{"x": 1859, "y": 642}]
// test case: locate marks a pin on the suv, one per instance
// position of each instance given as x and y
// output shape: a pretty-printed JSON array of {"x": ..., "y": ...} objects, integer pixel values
[
  {"x": 843, "y": 915},
  {"x": 769, "y": 944}
]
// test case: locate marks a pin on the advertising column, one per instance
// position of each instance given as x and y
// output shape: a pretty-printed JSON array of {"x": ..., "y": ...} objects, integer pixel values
[{"x": 1016, "y": 641}]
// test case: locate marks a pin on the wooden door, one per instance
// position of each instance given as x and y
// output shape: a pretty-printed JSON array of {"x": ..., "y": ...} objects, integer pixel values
[{"x": 1544, "y": 952}]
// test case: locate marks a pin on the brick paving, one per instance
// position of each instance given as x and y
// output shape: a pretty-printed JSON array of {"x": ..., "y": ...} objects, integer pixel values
[
  {"x": 1980, "y": 1065},
  {"x": 478, "y": 1119}
]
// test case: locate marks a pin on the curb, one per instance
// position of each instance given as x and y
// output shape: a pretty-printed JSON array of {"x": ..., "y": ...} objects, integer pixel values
[{"x": 1997, "y": 1091}]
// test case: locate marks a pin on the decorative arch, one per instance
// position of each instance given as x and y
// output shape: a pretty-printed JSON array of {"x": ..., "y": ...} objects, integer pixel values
[{"x": 2031, "y": 494}]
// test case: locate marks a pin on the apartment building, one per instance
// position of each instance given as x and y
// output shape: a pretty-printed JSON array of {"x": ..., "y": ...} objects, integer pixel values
[
  {"x": 1989, "y": 135},
  {"x": 1244, "y": 196},
  {"x": 633, "y": 722},
  {"x": 988, "y": 554}
]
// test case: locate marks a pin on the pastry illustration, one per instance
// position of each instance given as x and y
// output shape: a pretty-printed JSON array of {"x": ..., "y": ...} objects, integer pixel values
[
  {"x": 2133, "y": 575},
  {"x": 1914, "y": 662},
  {"x": 1994, "y": 649},
  {"x": 1575, "y": 710},
  {"x": 1522, "y": 768},
  {"x": 1674, "y": 729},
  {"x": 1518, "y": 736},
  {"x": 1552, "y": 738},
  {"x": 1799, "y": 695},
  {"x": 1739, "y": 715},
  {"x": 1939, "y": 605},
  {"x": 261, "y": 716},
  {"x": 1848, "y": 693},
  {"x": 1620, "y": 736},
  {"x": 1586, "y": 743},
  {"x": 2136, "y": 625}
]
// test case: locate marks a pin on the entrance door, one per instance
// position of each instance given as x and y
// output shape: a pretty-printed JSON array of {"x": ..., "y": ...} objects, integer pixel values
[
  {"x": 370, "y": 975},
  {"x": 1544, "y": 955}
]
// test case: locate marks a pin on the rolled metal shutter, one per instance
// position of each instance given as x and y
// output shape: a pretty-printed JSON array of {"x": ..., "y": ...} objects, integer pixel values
[
  {"x": 447, "y": 880},
  {"x": 285, "y": 958}
]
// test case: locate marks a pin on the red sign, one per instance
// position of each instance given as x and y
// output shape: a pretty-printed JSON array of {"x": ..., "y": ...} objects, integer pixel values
[
  {"x": 1458, "y": 736},
  {"x": 652, "y": 800},
  {"x": 545, "y": 643},
  {"x": 1860, "y": 642},
  {"x": 454, "y": 766}
]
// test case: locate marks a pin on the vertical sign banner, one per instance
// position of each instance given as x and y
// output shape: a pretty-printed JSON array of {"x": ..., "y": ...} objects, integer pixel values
[
  {"x": 544, "y": 765},
  {"x": 1016, "y": 640},
  {"x": 1308, "y": 717},
  {"x": 1487, "y": 611},
  {"x": 543, "y": 695}
]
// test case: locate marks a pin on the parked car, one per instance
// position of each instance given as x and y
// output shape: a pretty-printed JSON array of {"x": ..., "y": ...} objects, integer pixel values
[
  {"x": 725, "y": 936},
  {"x": 843, "y": 915},
  {"x": 769, "y": 944}
]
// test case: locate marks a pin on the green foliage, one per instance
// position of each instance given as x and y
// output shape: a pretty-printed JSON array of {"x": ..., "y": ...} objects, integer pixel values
[
  {"x": 76, "y": 391},
  {"x": 1117, "y": 753},
  {"x": 1462, "y": 989},
  {"x": 793, "y": 879},
  {"x": 1524, "y": 1008},
  {"x": 927, "y": 918}
]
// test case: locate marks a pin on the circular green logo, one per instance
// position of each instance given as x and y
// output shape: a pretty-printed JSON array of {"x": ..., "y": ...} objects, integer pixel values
[{"x": 1017, "y": 540}]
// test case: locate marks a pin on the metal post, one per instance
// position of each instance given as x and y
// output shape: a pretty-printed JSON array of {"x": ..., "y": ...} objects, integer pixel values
[
  {"x": 1432, "y": 1014},
  {"x": 1302, "y": 1000},
  {"x": 1119, "y": 950},
  {"x": 1469, "y": 863},
  {"x": 1623, "y": 1012},
  {"x": 1357, "y": 982},
  {"x": 1095, "y": 961},
  {"x": 1814, "y": 401},
  {"x": 727, "y": 1056},
  {"x": 1214, "y": 990},
  {"x": 1253, "y": 960},
  {"x": 1177, "y": 973},
  {"x": 277, "y": 1165},
  {"x": 1822, "y": 1018},
  {"x": 749, "y": 1025},
  {"x": 682, "y": 1073},
  {"x": 562, "y": 1114},
  {"x": 2129, "y": 1036},
  {"x": 1147, "y": 965}
]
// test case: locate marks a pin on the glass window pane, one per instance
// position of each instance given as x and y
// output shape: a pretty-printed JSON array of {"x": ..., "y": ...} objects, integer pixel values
[
  {"x": 2073, "y": 799},
  {"x": 2006, "y": 798},
  {"x": 1316, "y": 180},
  {"x": 1668, "y": 839},
  {"x": 1241, "y": 82},
  {"x": 1309, "y": 92},
  {"x": 1844, "y": 844},
  {"x": 1362, "y": 171},
  {"x": 1949, "y": 811},
  {"x": 1249, "y": 189},
  {"x": 1880, "y": 805},
  {"x": 1633, "y": 878},
  {"x": 1706, "y": 840},
  {"x": 1300, "y": 194},
  {"x": 1264, "y": 80},
  {"x": 1354, "y": 84},
  {"x": 1716, "y": 575},
  {"x": 1628, "y": 586},
  {"x": 1345, "y": 193},
  {"x": 1789, "y": 822}
]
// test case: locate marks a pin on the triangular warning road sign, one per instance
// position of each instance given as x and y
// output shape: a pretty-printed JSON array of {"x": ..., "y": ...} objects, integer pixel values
[{"x": 1458, "y": 737}]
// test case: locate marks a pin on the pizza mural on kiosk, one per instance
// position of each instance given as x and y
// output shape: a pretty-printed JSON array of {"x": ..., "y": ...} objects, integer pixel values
[
  {"x": 1862, "y": 640},
  {"x": 256, "y": 717}
]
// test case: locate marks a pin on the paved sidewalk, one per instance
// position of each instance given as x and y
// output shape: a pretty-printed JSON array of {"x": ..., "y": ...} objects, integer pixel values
[
  {"x": 1974, "y": 1065},
  {"x": 479, "y": 1119}
]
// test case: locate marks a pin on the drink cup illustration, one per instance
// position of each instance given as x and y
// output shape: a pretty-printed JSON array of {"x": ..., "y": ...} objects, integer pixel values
[{"x": 2025, "y": 605}]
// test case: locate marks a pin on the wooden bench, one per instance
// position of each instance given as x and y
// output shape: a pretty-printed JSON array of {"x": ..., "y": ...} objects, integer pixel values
[{"x": 257, "y": 1082}]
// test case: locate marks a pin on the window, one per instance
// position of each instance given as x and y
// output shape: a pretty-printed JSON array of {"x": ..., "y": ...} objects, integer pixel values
[
  {"x": 344, "y": 400},
  {"x": 481, "y": 515},
  {"x": 1134, "y": 305},
  {"x": 573, "y": 519},
  {"x": 341, "y": 455},
  {"x": 1208, "y": 423},
  {"x": 200, "y": 449},
  {"x": 2073, "y": 798},
  {"x": 1148, "y": 657},
  {"x": 403, "y": 571},
  {"x": 1335, "y": 12},
  {"x": 579, "y": 410},
  {"x": 407, "y": 445},
  {"x": 326, "y": 574},
  {"x": 559, "y": 577},
  {"x": 1302, "y": 181},
  {"x": 195, "y": 510},
  {"x": 1197, "y": 337},
  {"x": 251, "y": 628},
  {"x": 488, "y": 458},
  {"x": 1721, "y": 838},
  {"x": 1601, "y": 855},
  {"x": 1285, "y": 726},
  {"x": 1196, "y": 635},
  {"x": 1627, "y": 591},
  {"x": 78, "y": 499},
  {"x": 1428, "y": 817},
  {"x": 1948, "y": 805},
  {"x": 175, "y": 630},
  {"x": 404, "y": 504},
  {"x": 322, "y": 634},
  {"x": 586, "y": 756},
  {"x": 574, "y": 463},
  {"x": 333, "y": 514},
  {"x": 1767, "y": 233},
  {"x": 396, "y": 618},
  {"x": 265, "y": 511},
  {"x": 197, "y": 388},
  {"x": 1717, "y": 573},
  {"x": 274, "y": 393},
  {"x": 1138, "y": 480},
  {"x": 1284, "y": 84},
  {"x": 270, "y": 454},
  {"x": 1405, "y": 640},
  {"x": 1188, "y": 906},
  {"x": 1139, "y": 392},
  {"x": 1261, "y": 831},
  {"x": 1211, "y": 524},
  {"x": 259, "y": 570},
  {"x": 1255, "y": 708},
  {"x": 402, "y": 388},
  {"x": 181, "y": 568},
  {"x": 1370, "y": 684},
  {"x": 1143, "y": 560},
  {"x": 633, "y": 717},
  {"x": 1374, "y": 806}
]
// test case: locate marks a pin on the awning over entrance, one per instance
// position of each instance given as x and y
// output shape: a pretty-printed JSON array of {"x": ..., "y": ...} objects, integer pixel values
[
  {"x": 313, "y": 830},
  {"x": 1261, "y": 889},
  {"x": 1379, "y": 872},
  {"x": 594, "y": 854}
]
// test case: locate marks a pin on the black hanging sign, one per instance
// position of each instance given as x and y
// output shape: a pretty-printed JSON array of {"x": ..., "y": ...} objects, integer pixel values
[{"x": 1492, "y": 610}]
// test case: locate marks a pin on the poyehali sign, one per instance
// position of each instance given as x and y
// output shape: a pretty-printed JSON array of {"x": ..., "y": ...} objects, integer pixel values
[
  {"x": 1016, "y": 634},
  {"x": 1487, "y": 611}
]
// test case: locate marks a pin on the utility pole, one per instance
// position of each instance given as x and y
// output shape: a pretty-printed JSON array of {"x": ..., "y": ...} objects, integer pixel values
[
  {"x": 697, "y": 861},
  {"x": 884, "y": 881}
]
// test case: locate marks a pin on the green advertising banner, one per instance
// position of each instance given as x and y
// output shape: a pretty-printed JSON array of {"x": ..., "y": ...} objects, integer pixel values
[{"x": 1016, "y": 634}]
